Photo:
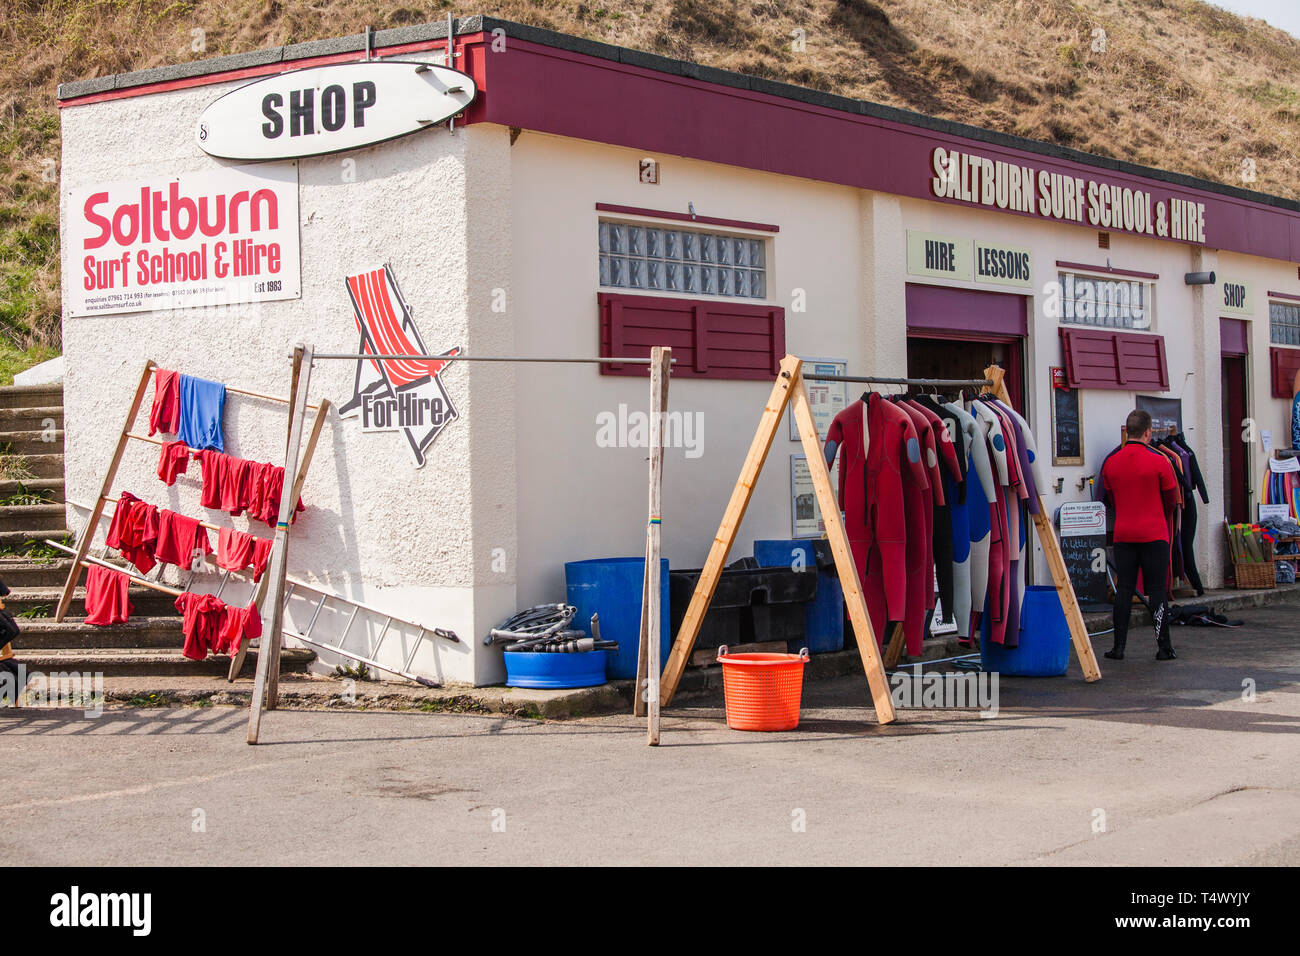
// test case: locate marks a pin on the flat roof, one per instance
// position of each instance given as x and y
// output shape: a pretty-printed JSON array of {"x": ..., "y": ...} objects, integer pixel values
[{"x": 424, "y": 33}]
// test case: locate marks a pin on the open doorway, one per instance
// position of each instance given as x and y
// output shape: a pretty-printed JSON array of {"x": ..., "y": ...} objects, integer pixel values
[
  {"x": 930, "y": 355},
  {"x": 1236, "y": 476},
  {"x": 957, "y": 333}
]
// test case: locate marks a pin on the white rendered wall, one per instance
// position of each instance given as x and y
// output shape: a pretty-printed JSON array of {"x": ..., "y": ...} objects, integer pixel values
[
  {"x": 577, "y": 500},
  {"x": 847, "y": 250},
  {"x": 377, "y": 529}
]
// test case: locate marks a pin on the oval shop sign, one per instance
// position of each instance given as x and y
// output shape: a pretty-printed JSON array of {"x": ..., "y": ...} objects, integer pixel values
[{"x": 327, "y": 109}]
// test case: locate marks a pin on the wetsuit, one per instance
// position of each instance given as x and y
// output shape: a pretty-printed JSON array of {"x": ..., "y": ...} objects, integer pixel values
[
  {"x": 970, "y": 522},
  {"x": 878, "y": 447},
  {"x": 1000, "y": 546},
  {"x": 949, "y": 483},
  {"x": 920, "y": 534}
]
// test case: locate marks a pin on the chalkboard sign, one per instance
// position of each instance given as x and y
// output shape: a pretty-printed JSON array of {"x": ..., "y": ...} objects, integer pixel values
[
  {"x": 1083, "y": 545},
  {"x": 1067, "y": 423}
]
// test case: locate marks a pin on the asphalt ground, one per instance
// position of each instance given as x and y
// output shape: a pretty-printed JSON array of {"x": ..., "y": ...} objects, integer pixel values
[{"x": 1188, "y": 762}]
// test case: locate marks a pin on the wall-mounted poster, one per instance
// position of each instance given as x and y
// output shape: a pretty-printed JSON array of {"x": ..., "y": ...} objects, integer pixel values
[
  {"x": 407, "y": 395},
  {"x": 827, "y": 399},
  {"x": 220, "y": 237},
  {"x": 805, "y": 517},
  {"x": 1067, "y": 422},
  {"x": 1166, "y": 414}
]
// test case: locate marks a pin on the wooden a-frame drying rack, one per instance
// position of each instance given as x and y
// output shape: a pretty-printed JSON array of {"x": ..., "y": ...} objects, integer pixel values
[
  {"x": 790, "y": 390},
  {"x": 81, "y": 554}
]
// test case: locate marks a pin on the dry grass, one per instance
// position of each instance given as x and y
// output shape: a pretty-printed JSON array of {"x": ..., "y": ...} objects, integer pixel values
[{"x": 1180, "y": 84}]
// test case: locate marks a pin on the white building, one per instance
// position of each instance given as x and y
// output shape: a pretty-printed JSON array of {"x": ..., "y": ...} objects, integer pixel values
[{"x": 890, "y": 241}]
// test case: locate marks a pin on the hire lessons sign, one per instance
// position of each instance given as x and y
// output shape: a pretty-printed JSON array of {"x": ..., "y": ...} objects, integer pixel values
[{"x": 213, "y": 238}]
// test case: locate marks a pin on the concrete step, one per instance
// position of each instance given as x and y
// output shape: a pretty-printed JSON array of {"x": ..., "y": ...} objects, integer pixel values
[
  {"x": 31, "y": 396},
  {"x": 141, "y": 632},
  {"x": 145, "y": 602},
  {"x": 25, "y": 467},
  {"x": 27, "y": 419},
  {"x": 25, "y": 573},
  {"x": 19, "y": 543},
  {"x": 45, "y": 520},
  {"x": 47, "y": 489},
  {"x": 32, "y": 442},
  {"x": 152, "y": 663}
]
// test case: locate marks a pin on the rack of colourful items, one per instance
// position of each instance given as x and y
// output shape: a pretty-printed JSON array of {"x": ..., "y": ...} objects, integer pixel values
[
  {"x": 956, "y": 512},
  {"x": 192, "y": 410},
  {"x": 1282, "y": 480},
  {"x": 906, "y": 460}
]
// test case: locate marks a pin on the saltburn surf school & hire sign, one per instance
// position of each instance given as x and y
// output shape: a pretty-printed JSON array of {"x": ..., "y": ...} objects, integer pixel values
[{"x": 171, "y": 242}]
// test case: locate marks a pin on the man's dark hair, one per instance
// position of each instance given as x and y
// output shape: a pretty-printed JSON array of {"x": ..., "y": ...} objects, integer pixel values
[{"x": 1137, "y": 423}]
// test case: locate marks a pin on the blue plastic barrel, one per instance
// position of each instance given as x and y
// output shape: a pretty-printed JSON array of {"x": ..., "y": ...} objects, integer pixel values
[
  {"x": 611, "y": 587},
  {"x": 1044, "y": 649},
  {"x": 535, "y": 669},
  {"x": 824, "y": 615}
]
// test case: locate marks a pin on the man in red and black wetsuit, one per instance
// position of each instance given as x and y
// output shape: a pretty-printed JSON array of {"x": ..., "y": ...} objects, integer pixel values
[{"x": 1140, "y": 486}]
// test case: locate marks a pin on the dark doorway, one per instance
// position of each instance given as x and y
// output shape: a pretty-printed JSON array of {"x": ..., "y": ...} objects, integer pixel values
[
  {"x": 1236, "y": 479},
  {"x": 952, "y": 356}
]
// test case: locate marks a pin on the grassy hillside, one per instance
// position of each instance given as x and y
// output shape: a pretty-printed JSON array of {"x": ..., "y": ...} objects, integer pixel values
[{"x": 1172, "y": 83}]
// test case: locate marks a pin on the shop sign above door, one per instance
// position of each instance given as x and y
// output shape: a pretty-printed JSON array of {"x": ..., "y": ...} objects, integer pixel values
[
  {"x": 328, "y": 109},
  {"x": 1237, "y": 297}
]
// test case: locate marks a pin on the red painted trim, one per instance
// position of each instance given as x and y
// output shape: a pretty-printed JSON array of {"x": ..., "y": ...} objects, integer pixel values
[
  {"x": 995, "y": 338},
  {"x": 657, "y": 112},
  {"x": 1283, "y": 362},
  {"x": 1108, "y": 270},
  {"x": 1234, "y": 336},
  {"x": 267, "y": 69},
  {"x": 1284, "y": 295},
  {"x": 686, "y": 217}
]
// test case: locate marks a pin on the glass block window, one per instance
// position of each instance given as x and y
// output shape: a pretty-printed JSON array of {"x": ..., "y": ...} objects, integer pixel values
[
  {"x": 1283, "y": 323},
  {"x": 681, "y": 261},
  {"x": 1106, "y": 303}
]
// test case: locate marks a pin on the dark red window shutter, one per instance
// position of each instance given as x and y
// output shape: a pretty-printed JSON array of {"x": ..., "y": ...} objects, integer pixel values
[
  {"x": 1284, "y": 363},
  {"x": 1100, "y": 358},
  {"x": 729, "y": 340}
]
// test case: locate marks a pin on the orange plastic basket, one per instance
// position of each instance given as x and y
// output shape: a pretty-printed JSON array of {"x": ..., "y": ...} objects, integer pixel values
[{"x": 762, "y": 691}]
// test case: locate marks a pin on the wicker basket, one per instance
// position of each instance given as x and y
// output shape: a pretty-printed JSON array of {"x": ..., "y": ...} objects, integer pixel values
[{"x": 1257, "y": 574}]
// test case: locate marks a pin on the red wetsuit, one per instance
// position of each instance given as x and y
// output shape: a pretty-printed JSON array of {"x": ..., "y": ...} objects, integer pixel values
[
  {"x": 1139, "y": 483},
  {"x": 920, "y": 536},
  {"x": 878, "y": 445}
]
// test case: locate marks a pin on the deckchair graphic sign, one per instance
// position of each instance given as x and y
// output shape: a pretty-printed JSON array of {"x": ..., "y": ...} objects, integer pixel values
[{"x": 405, "y": 395}]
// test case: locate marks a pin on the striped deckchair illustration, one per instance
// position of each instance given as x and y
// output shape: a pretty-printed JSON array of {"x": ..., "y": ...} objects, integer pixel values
[{"x": 410, "y": 391}]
